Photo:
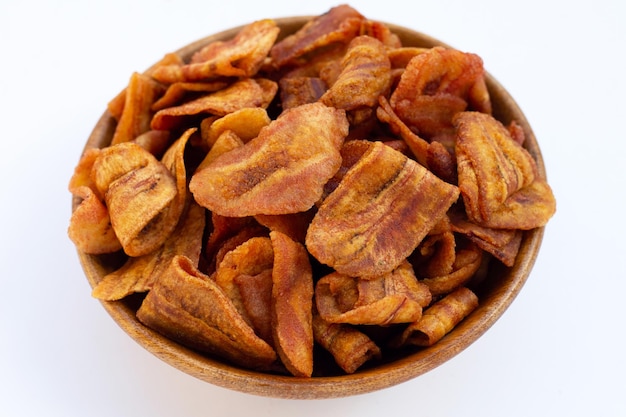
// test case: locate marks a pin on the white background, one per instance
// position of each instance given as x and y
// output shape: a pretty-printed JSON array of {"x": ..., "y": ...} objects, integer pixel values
[{"x": 558, "y": 350}]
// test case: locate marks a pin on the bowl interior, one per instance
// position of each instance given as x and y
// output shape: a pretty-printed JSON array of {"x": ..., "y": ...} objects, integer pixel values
[{"x": 496, "y": 293}]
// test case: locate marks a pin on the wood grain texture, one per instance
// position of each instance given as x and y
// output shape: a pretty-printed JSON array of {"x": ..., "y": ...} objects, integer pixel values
[{"x": 496, "y": 293}]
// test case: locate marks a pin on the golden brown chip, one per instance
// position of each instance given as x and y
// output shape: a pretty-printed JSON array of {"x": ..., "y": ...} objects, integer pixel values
[
  {"x": 90, "y": 225},
  {"x": 225, "y": 234},
  {"x": 138, "y": 274},
  {"x": 174, "y": 161},
  {"x": 186, "y": 306},
  {"x": 479, "y": 98},
  {"x": 256, "y": 298},
  {"x": 141, "y": 93},
  {"x": 247, "y": 92},
  {"x": 384, "y": 206},
  {"x": 283, "y": 170},
  {"x": 138, "y": 192},
  {"x": 350, "y": 347},
  {"x": 438, "y": 253},
  {"x": 250, "y": 258},
  {"x": 177, "y": 92},
  {"x": 113, "y": 162},
  {"x": 497, "y": 177},
  {"x": 434, "y": 87},
  {"x": 503, "y": 244},
  {"x": 440, "y": 318},
  {"x": 241, "y": 56},
  {"x": 116, "y": 105},
  {"x": 365, "y": 75},
  {"x": 340, "y": 24},
  {"x": 253, "y": 230},
  {"x": 292, "y": 302},
  {"x": 223, "y": 228},
  {"x": 396, "y": 297},
  {"x": 82, "y": 176},
  {"x": 467, "y": 260},
  {"x": 226, "y": 142},
  {"x": 246, "y": 123}
]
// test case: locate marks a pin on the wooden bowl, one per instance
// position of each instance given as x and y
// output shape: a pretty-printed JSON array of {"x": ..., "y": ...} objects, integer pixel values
[{"x": 496, "y": 292}]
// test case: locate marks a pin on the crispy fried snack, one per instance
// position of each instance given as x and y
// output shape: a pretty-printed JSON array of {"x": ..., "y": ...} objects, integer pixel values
[
  {"x": 138, "y": 274},
  {"x": 435, "y": 86},
  {"x": 246, "y": 123},
  {"x": 242, "y": 56},
  {"x": 292, "y": 304},
  {"x": 467, "y": 260},
  {"x": 383, "y": 207},
  {"x": 219, "y": 230},
  {"x": 503, "y": 244},
  {"x": 177, "y": 92},
  {"x": 256, "y": 298},
  {"x": 139, "y": 191},
  {"x": 439, "y": 319},
  {"x": 249, "y": 92},
  {"x": 186, "y": 306},
  {"x": 116, "y": 105},
  {"x": 339, "y": 25},
  {"x": 174, "y": 161},
  {"x": 497, "y": 177},
  {"x": 395, "y": 297},
  {"x": 283, "y": 170},
  {"x": 226, "y": 142},
  {"x": 140, "y": 95},
  {"x": 432, "y": 155},
  {"x": 350, "y": 347},
  {"x": 90, "y": 225},
  {"x": 251, "y": 258},
  {"x": 365, "y": 76}
]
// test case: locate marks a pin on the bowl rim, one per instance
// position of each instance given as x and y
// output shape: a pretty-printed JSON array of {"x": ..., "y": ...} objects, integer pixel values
[{"x": 363, "y": 381}]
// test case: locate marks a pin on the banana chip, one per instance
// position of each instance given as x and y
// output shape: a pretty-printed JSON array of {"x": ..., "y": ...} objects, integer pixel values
[
  {"x": 283, "y": 170},
  {"x": 292, "y": 304},
  {"x": 383, "y": 207},
  {"x": 138, "y": 274},
  {"x": 187, "y": 306},
  {"x": 440, "y": 318},
  {"x": 138, "y": 191},
  {"x": 90, "y": 225},
  {"x": 241, "y": 56},
  {"x": 497, "y": 177},
  {"x": 396, "y": 297},
  {"x": 245, "y": 93},
  {"x": 350, "y": 347}
]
